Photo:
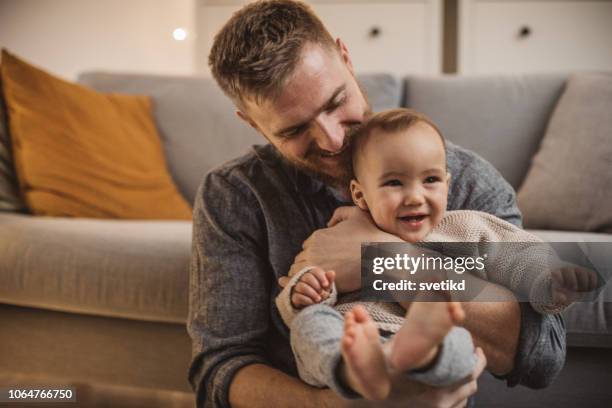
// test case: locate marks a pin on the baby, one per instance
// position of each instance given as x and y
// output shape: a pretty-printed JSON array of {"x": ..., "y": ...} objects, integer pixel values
[{"x": 400, "y": 177}]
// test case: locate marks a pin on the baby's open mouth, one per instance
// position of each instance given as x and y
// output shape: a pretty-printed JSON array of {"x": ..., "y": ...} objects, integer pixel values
[{"x": 413, "y": 218}]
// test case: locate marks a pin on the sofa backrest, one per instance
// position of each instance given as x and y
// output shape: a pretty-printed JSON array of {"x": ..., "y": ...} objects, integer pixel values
[
  {"x": 502, "y": 118},
  {"x": 198, "y": 124}
]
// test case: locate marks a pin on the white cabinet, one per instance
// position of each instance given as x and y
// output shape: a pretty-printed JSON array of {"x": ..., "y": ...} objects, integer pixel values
[
  {"x": 394, "y": 36},
  {"x": 514, "y": 36},
  {"x": 398, "y": 37}
]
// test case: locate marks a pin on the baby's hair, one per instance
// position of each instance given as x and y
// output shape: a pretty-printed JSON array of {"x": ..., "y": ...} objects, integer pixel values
[{"x": 389, "y": 121}]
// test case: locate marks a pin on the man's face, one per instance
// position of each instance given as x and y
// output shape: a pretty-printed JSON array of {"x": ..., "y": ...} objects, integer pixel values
[{"x": 309, "y": 120}]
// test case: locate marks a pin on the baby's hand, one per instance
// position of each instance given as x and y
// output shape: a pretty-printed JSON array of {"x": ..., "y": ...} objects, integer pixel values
[
  {"x": 343, "y": 214},
  {"x": 313, "y": 287},
  {"x": 569, "y": 283}
]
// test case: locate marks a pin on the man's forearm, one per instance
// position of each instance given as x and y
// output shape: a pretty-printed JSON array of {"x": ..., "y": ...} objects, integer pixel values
[
  {"x": 259, "y": 385},
  {"x": 495, "y": 326}
]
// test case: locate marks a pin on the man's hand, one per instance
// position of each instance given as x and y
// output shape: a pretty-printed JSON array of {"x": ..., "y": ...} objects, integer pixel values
[
  {"x": 345, "y": 213},
  {"x": 338, "y": 248},
  {"x": 408, "y": 393}
]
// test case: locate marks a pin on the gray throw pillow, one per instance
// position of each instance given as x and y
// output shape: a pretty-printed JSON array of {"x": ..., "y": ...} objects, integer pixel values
[
  {"x": 9, "y": 196},
  {"x": 569, "y": 184}
]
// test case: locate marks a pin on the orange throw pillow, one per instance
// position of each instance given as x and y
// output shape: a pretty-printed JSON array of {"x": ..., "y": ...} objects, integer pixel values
[{"x": 81, "y": 153}]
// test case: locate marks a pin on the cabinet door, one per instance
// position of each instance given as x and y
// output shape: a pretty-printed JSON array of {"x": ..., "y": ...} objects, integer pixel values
[
  {"x": 497, "y": 36},
  {"x": 394, "y": 36},
  {"x": 401, "y": 37}
]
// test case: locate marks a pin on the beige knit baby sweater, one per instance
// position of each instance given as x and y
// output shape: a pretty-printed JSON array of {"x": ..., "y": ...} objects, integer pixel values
[{"x": 521, "y": 267}]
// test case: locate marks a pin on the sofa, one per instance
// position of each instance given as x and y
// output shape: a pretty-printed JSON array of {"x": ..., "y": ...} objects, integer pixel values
[{"x": 105, "y": 301}]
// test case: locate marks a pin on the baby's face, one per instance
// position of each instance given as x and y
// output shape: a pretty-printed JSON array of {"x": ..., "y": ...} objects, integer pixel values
[{"x": 403, "y": 181}]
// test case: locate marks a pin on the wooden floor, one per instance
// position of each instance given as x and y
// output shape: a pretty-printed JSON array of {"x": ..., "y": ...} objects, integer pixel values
[{"x": 101, "y": 395}]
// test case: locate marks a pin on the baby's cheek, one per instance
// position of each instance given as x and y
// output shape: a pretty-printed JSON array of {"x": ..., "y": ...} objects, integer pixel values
[
  {"x": 388, "y": 208},
  {"x": 440, "y": 203},
  {"x": 380, "y": 218},
  {"x": 380, "y": 215}
]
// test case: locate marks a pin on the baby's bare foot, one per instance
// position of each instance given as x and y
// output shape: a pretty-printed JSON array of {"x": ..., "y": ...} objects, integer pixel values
[
  {"x": 364, "y": 361},
  {"x": 427, "y": 323}
]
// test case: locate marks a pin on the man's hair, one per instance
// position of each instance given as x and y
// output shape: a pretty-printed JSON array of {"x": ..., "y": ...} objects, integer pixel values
[
  {"x": 258, "y": 49},
  {"x": 389, "y": 121}
]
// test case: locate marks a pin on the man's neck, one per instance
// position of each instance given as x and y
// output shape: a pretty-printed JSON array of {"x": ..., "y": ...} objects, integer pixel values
[{"x": 341, "y": 192}]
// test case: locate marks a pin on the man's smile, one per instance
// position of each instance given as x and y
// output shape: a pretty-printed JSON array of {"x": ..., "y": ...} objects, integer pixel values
[{"x": 332, "y": 154}]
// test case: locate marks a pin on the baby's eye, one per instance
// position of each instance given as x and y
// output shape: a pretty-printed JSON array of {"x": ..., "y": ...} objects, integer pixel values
[
  {"x": 432, "y": 179},
  {"x": 392, "y": 183}
]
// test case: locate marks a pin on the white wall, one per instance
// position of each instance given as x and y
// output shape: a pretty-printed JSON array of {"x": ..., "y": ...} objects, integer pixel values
[
  {"x": 70, "y": 36},
  {"x": 409, "y": 40}
]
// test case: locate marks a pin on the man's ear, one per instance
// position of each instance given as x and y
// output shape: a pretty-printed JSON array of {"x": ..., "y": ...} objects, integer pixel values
[
  {"x": 357, "y": 195},
  {"x": 448, "y": 178},
  {"x": 248, "y": 120},
  {"x": 344, "y": 53}
]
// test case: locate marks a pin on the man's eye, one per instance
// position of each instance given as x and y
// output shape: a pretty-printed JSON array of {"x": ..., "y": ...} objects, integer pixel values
[
  {"x": 295, "y": 132},
  {"x": 392, "y": 183},
  {"x": 432, "y": 179},
  {"x": 336, "y": 104}
]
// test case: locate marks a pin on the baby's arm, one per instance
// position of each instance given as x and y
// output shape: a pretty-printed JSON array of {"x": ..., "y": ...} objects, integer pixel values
[{"x": 522, "y": 262}]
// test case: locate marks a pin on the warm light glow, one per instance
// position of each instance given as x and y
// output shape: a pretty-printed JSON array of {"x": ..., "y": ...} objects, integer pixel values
[{"x": 179, "y": 34}]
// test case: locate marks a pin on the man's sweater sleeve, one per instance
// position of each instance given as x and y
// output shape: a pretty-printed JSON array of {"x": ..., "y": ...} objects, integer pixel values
[
  {"x": 541, "y": 350},
  {"x": 477, "y": 185},
  {"x": 230, "y": 286}
]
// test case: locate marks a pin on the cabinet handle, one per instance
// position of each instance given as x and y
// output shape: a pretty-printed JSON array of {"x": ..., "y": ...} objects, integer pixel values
[
  {"x": 375, "y": 32},
  {"x": 524, "y": 31}
]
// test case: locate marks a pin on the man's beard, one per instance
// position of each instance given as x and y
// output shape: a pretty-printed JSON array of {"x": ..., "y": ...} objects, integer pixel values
[{"x": 340, "y": 176}]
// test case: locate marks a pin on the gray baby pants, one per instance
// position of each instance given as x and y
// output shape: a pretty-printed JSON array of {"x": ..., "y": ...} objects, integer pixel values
[{"x": 315, "y": 339}]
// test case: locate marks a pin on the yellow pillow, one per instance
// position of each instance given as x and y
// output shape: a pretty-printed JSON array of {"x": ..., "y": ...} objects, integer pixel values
[{"x": 81, "y": 153}]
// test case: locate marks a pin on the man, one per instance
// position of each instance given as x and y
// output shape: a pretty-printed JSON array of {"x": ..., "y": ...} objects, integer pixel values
[{"x": 295, "y": 85}]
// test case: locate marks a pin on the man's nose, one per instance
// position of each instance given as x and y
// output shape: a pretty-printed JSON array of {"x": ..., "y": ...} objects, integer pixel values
[{"x": 329, "y": 133}]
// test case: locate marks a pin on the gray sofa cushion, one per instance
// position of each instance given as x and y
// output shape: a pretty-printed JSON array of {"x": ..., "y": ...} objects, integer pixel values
[
  {"x": 383, "y": 91},
  {"x": 589, "y": 323},
  {"x": 9, "y": 196},
  {"x": 502, "y": 118},
  {"x": 571, "y": 236},
  {"x": 131, "y": 269},
  {"x": 569, "y": 185},
  {"x": 198, "y": 124}
]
